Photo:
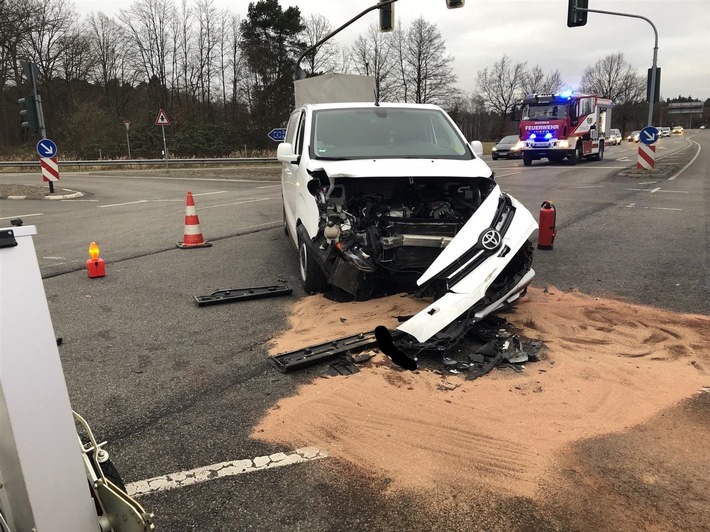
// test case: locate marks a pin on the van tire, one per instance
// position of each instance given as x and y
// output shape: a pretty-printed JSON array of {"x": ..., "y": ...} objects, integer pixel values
[
  {"x": 312, "y": 275},
  {"x": 527, "y": 159}
]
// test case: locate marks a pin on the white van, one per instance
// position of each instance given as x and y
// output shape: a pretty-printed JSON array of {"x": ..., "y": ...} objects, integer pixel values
[{"x": 614, "y": 137}]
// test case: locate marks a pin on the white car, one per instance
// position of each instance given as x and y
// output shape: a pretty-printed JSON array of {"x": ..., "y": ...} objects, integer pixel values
[
  {"x": 382, "y": 194},
  {"x": 615, "y": 137},
  {"x": 665, "y": 132}
]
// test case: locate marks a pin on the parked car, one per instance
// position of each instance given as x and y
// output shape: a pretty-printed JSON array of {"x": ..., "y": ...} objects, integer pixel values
[
  {"x": 376, "y": 194},
  {"x": 510, "y": 147},
  {"x": 665, "y": 132},
  {"x": 677, "y": 130},
  {"x": 614, "y": 137},
  {"x": 634, "y": 136}
]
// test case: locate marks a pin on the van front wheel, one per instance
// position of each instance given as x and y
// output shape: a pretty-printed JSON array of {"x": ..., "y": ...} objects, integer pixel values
[{"x": 312, "y": 275}]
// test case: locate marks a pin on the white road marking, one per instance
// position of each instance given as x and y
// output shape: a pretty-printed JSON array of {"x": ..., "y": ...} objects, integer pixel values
[
  {"x": 55, "y": 258},
  {"x": 647, "y": 182},
  {"x": 222, "y": 470},
  {"x": 687, "y": 165},
  {"x": 78, "y": 200},
  {"x": 622, "y": 159},
  {"x": 655, "y": 190},
  {"x": 506, "y": 175},
  {"x": 209, "y": 193},
  {"x": 236, "y": 203},
  {"x": 22, "y": 216},
  {"x": 270, "y": 186},
  {"x": 633, "y": 205},
  {"x": 122, "y": 204}
]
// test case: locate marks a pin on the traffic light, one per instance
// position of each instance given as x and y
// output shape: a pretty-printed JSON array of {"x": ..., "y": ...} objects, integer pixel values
[
  {"x": 453, "y": 4},
  {"x": 576, "y": 17},
  {"x": 28, "y": 113},
  {"x": 386, "y": 16}
]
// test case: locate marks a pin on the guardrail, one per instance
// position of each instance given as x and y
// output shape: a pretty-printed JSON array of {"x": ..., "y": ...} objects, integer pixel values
[{"x": 146, "y": 162}]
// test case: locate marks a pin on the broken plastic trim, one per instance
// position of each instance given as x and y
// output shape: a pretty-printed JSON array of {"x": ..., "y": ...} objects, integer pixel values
[
  {"x": 307, "y": 356},
  {"x": 242, "y": 294}
]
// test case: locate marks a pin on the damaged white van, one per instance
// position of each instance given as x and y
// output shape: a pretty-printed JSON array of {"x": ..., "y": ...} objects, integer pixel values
[{"x": 382, "y": 194}]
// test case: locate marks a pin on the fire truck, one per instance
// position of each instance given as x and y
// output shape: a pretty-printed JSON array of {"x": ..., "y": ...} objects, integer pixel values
[{"x": 571, "y": 125}]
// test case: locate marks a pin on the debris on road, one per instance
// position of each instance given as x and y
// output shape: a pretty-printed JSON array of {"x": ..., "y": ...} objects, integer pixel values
[
  {"x": 489, "y": 344},
  {"x": 242, "y": 294},
  {"x": 300, "y": 358}
]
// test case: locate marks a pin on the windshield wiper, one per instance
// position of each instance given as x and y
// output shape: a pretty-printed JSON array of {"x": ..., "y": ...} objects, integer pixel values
[{"x": 332, "y": 158}]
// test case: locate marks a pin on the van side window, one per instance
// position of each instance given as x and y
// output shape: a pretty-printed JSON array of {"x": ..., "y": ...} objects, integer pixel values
[
  {"x": 292, "y": 126},
  {"x": 298, "y": 147}
]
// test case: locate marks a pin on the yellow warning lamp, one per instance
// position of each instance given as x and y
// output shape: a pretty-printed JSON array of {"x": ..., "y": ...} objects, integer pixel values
[{"x": 94, "y": 251}]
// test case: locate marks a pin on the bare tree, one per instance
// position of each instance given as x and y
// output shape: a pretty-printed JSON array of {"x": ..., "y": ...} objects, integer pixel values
[
  {"x": 535, "y": 81},
  {"x": 18, "y": 18},
  {"x": 427, "y": 67},
  {"x": 371, "y": 56},
  {"x": 57, "y": 20},
  {"x": 613, "y": 77},
  {"x": 325, "y": 58},
  {"x": 206, "y": 43},
  {"x": 500, "y": 84},
  {"x": 149, "y": 23}
]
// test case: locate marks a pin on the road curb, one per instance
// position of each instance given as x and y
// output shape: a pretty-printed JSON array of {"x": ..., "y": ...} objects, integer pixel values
[{"x": 74, "y": 194}]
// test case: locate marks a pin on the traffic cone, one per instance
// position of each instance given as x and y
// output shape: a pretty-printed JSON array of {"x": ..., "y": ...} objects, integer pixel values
[{"x": 193, "y": 235}]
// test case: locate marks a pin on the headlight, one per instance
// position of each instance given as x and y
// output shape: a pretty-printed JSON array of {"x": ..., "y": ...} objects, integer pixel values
[
  {"x": 520, "y": 145},
  {"x": 494, "y": 149},
  {"x": 564, "y": 144}
]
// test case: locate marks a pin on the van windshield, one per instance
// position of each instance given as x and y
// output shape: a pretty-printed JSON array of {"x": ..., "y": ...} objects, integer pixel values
[{"x": 382, "y": 132}]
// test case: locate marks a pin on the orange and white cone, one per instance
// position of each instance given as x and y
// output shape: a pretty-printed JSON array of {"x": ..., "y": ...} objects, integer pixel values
[{"x": 193, "y": 235}]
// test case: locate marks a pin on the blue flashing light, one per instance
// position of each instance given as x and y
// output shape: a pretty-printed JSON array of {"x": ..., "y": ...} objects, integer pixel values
[
  {"x": 548, "y": 135},
  {"x": 533, "y": 136},
  {"x": 566, "y": 94}
]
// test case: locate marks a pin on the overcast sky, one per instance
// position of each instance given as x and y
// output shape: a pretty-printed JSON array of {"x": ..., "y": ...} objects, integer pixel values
[{"x": 536, "y": 32}]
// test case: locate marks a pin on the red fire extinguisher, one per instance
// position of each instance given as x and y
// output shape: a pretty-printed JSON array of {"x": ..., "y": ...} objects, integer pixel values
[{"x": 546, "y": 233}]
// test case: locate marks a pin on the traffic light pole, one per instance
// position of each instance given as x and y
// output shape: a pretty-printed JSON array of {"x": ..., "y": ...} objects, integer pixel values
[
  {"x": 652, "y": 89},
  {"x": 30, "y": 70},
  {"x": 300, "y": 73}
]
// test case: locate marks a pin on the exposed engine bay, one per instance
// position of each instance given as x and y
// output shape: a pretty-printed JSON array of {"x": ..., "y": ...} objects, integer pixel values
[{"x": 389, "y": 229}]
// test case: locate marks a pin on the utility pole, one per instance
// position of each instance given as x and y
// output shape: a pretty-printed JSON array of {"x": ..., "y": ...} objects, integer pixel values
[{"x": 577, "y": 16}]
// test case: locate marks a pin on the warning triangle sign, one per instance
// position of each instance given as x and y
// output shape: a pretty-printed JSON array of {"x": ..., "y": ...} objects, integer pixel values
[{"x": 162, "y": 119}]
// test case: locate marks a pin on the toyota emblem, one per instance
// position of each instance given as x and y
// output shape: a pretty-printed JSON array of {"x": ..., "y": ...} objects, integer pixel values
[{"x": 490, "y": 240}]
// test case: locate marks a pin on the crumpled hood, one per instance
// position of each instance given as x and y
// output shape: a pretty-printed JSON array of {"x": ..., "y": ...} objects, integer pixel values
[{"x": 402, "y": 168}]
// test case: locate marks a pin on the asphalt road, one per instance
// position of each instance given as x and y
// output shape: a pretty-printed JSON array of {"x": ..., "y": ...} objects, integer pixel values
[{"x": 174, "y": 387}]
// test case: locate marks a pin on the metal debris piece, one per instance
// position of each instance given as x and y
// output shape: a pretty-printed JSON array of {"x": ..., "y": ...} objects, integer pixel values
[{"x": 242, "y": 294}]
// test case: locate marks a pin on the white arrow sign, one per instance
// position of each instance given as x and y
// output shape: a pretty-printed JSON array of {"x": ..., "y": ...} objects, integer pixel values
[{"x": 48, "y": 148}]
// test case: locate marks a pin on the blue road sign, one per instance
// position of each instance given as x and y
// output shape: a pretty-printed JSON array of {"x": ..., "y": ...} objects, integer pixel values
[
  {"x": 648, "y": 135},
  {"x": 278, "y": 134},
  {"x": 46, "y": 148}
]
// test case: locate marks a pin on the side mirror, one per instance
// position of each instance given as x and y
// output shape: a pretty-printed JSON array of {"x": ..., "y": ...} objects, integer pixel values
[
  {"x": 284, "y": 153},
  {"x": 514, "y": 113},
  {"x": 477, "y": 147}
]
